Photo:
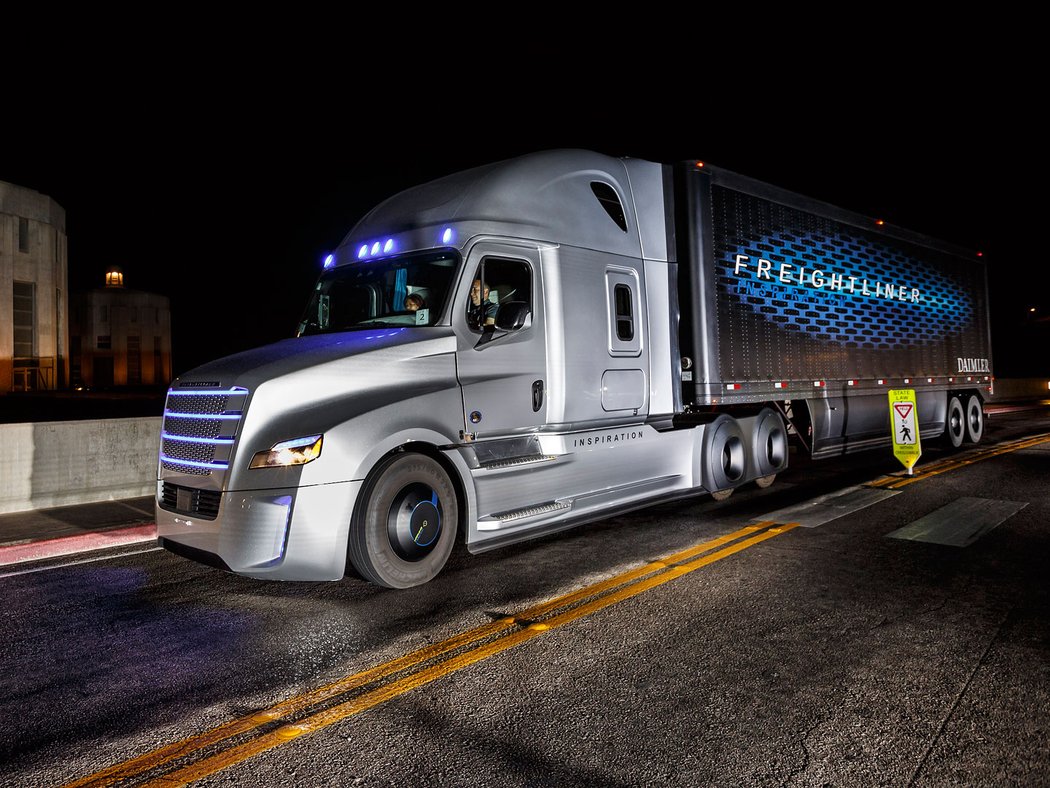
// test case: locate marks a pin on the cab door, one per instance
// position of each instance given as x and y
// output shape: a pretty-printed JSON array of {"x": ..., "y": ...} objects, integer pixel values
[{"x": 502, "y": 367}]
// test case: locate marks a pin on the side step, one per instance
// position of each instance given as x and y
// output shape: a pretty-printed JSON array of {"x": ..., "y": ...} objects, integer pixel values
[
  {"x": 497, "y": 520},
  {"x": 515, "y": 462}
]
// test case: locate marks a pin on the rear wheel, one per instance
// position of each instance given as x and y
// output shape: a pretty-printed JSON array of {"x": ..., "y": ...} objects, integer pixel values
[
  {"x": 769, "y": 446},
  {"x": 405, "y": 524},
  {"x": 723, "y": 456},
  {"x": 974, "y": 419},
  {"x": 955, "y": 424}
]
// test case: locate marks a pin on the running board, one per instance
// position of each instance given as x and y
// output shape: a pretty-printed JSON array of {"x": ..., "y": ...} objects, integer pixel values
[
  {"x": 516, "y": 462},
  {"x": 497, "y": 520}
]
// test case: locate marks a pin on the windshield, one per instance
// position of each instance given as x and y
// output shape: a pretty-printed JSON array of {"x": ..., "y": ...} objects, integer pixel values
[{"x": 396, "y": 291}]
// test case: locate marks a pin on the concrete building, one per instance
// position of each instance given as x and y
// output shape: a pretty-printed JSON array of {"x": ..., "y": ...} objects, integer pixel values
[
  {"x": 119, "y": 337},
  {"x": 34, "y": 334}
]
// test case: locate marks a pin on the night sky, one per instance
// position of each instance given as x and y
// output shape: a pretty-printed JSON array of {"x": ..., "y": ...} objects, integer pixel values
[{"x": 229, "y": 209}]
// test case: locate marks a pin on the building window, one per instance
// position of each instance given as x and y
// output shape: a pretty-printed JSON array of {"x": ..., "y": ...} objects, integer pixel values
[
  {"x": 23, "y": 234},
  {"x": 25, "y": 318},
  {"x": 158, "y": 363},
  {"x": 104, "y": 342},
  {"x": 134, "y": 362},
  {"x": 74, "y": 359}
]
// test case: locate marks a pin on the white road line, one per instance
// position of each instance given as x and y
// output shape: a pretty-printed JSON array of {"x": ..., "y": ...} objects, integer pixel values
[{"x": 75, "y": 563}]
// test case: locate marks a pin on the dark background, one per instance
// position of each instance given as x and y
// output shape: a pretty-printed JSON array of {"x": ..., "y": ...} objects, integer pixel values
[{"x": 226, "y": 198}]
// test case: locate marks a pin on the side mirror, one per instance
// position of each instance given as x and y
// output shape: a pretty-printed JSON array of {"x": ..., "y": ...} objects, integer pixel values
[{"x": 512, "y": 315}]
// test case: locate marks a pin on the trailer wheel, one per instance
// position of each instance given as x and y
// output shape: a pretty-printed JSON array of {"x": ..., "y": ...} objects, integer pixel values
[
  {"x": 955, "y": 424},
  {"x": 769, "y": 446},
  {"x": 723, "y": 455},
  {"x": 974, "y": 419},
  {"x": 405, "y": 523}
]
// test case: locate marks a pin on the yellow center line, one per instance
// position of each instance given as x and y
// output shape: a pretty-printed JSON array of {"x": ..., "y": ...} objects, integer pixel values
[
  {"x": 323, "y": 719},
  {"x": 250, "y": 722},
  {"x": 953, "y": 463}
]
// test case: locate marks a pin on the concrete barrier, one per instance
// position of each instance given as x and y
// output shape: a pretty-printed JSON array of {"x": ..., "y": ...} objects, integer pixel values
[
  {"x": 1021, "y": 389},
  {"x": 60, "y": 463}
]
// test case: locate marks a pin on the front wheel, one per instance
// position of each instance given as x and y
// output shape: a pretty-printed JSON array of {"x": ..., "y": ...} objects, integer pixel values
[{"x": 405, "y": 523}]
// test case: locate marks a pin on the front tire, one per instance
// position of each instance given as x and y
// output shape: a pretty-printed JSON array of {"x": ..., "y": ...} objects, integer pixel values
[{"x": 405, "y": 523}]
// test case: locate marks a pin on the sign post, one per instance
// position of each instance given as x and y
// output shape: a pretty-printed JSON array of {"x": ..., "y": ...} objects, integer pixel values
[{"x": 905, "y": 427}]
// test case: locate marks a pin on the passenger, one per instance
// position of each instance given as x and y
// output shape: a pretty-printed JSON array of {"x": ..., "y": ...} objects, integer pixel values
[
  {"x": 414, "y": 302},
  {"x": 480, "y": 311}
]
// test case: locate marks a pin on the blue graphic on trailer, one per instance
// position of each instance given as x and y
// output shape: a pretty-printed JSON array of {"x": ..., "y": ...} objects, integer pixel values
[{"x": 843, "y": 289}]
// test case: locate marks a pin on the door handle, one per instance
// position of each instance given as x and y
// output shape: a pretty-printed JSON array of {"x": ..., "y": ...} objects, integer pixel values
[{"x": 537, "y": 395}]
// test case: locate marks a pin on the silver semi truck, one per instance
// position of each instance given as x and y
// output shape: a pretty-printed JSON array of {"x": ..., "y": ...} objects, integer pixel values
[{"x": 544, "y": 341}]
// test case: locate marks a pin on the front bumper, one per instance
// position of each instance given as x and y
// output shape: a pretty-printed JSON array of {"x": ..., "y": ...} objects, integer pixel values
[{"x": 294, "y": 533}]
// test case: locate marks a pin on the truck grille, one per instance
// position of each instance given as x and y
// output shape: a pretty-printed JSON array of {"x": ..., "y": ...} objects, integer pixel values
[
  {"x": 199, "y": 429},
  {"x": 187, "y": 500}
]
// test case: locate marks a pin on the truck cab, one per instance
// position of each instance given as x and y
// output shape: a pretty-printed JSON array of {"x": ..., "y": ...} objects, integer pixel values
[{"x": 395, "y": 421}]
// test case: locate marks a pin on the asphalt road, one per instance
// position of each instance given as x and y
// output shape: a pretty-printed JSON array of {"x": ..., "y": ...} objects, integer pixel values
[{"x": 695, "y": 643}]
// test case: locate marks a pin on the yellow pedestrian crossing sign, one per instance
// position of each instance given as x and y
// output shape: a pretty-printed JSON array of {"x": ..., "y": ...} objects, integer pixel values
[{"x": 905, "y": 426}]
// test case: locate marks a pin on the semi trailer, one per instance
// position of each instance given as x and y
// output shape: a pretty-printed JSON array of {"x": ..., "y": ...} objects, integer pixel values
[{"x": 553, "y": 339}]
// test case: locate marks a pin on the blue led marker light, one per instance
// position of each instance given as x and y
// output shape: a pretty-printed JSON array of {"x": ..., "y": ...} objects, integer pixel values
[
  {"x": 185, "y": 439},
  {"x": 200, "y": 392},
  {"x": 329, "y": 260},
  {"x": 175, "y": 414},
  {"x": 446, "y": 236},
  {"x": 215, "y": 465},
  {"x": 365, "y": 250}
]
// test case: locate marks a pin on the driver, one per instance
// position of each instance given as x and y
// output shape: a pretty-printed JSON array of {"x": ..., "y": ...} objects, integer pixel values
[{"x": 480, "y": 311}]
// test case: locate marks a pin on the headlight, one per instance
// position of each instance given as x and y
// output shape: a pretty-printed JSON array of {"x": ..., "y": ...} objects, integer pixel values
[{"x": 297, "y": 451}]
